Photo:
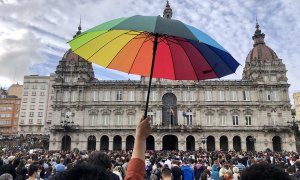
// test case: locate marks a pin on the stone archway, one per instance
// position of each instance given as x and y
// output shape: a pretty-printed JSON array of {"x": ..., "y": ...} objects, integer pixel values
[
  {"x": 170, "y": 142},
  {"x": 210, "y": 143},
  {"x": 91, "y": 143},
  {"x": 224, "y": 143},
  {"x": 117, "y": 143},
  {"x": 129, "y": 142},
  {"x": 66, "y": 143},
  {"x": 150, "y": 143},
  {"x": 190, "y": 143},
  {"x": 237, "y": 146},
  {"x": 104, "y": 143},
  {"x": 250, "y": 143},
  {"x": 169, "y": 110},
  {"x": 276, "y": 141}
]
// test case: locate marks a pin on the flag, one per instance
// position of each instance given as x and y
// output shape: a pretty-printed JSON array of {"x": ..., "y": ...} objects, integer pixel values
[
  {"x": 184, "y": 114},
  {"x": 171, "y": 111}
]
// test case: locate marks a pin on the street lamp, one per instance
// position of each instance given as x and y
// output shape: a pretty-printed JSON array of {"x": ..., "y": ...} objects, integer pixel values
[
  {"x": 66, "y": 124},
  {"x": 294, "y": 125},
  {"x": 203, "y": 140}
]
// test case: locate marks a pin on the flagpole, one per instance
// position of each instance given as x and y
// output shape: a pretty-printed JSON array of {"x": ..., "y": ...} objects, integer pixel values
[{"x": 155, "y": 43}]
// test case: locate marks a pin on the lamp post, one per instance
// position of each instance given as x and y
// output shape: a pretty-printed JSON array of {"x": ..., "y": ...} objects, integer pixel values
[
  {"x": 203, "y": 140},
  {"x": 66, "y": 125},
  {"x": 294, "y": 124}
]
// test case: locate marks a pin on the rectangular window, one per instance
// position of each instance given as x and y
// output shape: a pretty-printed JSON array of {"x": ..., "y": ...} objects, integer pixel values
[
  {"x": 26, "y": 87},
  {"x": 119, "y": 120},
  {"x": 42, "y": 93},
  {"x": 185, "y": 95},
  {"x": 131, "y": 96},
  {"x": 223, "y": 120},
  {"x": 23, "y": 114},
  {"x": 43, "y": 86},
  {"x": 233, "y": 96},
  {"x": 248, "y": 120},
  {"x": 208, "y": 96},
  {"x": 32, "y": 100},
  {"x": 106, "y": 95},
  {"x": 190, "y": 119},
  {"x": 119, "y": 96},
  {"x": 33, "y": 93},
  {"x": 106, "y": 119},
  {"x": 39, "y": 121},
  {"x": 41, "y": 107},
  {"x": 273, "y": 78},
  {"x": 246, "y": 95},
  {"x": 24, "y": 100},
  {"x": 93, "y": 120},
  {"x": 268, "y": 95},
  {"x": 73, "y": 98},
  {"x": 235, "y": 120},
  {"x": 222, "y": 95},
  {"x": 30, "y": 121},
  {"x": 22, "y": 121},
  {"x": 192, "y": 96},
  {"x": 209, "y": 120},
  {"x": 131, "y": 119},
  {"x": 40, "y": 114},
  {"x": 32, "y": 107},
  {"x": 25, "y": 93},
  {"x": 151, "y": 118},
  {"x": 42, "y": 100},
  {"x": 34, "y": 86},
  {"x": 94, "y": 96},
  {"x": 31, "y": 114},
  {"x": 276, "y": 97}
]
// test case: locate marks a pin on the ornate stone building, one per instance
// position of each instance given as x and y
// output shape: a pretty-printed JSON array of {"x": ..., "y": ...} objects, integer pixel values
[{"x": 246, "y": 114}]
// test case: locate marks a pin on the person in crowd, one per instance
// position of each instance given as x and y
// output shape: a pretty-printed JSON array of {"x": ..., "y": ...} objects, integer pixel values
[
  {"x": 166, "y": 174},
  {"x": 187, "y": 171},
  {"x": 176, "y": 171},
  {"x": 214, "y": 170},
  {"x": 199, "y": 167},
  {"x": 236, "y": 173},
  {"x": 60, "y": 167},
  {"x": 225, "y": 169},
  {"x": 6, "y": 176},
  {"x": 33, "y": 172},
  {"x": 135, "y": 170},
  {"x": 21, "y": 170},
  {"x": 240, "y": 165},
  {"x": 264, "y": 171}
]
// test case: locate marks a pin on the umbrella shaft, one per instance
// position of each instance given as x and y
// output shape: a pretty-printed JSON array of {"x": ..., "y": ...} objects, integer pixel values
[{"x": 151, "y": 72}]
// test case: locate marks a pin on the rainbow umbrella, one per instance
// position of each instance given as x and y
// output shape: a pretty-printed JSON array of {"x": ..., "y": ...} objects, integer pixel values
[{"x": 156, "y": 47}]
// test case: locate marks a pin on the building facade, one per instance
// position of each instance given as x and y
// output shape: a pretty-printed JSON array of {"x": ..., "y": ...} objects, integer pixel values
[
  {"x": 9, "y": 114},
  {"x": 15, "y": 90},
  {"x": 296, "y": 97},
  {"x": 34, "y": 105},
  {"x": 246, "y": 114}
]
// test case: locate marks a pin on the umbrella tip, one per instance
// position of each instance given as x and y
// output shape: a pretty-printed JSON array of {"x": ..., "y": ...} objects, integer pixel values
[{"x": 167, "y": 11}]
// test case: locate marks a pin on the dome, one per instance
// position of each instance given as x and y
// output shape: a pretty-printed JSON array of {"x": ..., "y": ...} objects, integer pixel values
[
  {"x": 260, "y": 50},
  {"x": 70, "y": 56}
]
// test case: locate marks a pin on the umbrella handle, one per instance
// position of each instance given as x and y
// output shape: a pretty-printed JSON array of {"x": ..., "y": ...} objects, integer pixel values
[{"x": 155, "y": 43}]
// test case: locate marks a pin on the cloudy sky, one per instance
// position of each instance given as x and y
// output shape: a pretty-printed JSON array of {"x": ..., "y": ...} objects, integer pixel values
[{"x": 33, "y": 33}]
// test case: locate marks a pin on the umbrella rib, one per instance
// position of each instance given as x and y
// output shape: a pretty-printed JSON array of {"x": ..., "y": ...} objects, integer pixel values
[
  {"x": 138, "y": 53},
  {"x": 190, "y": 61},
  {"x": 222, "y": 59},
  {"x": 119, "y": 52},
  {"x": 106, "y": 44},
  {"x": 88, "y": 41},
  {"x": 172, "y": 60}
]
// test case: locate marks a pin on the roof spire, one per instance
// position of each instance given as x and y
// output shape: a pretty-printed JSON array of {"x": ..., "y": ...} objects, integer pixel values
[
  {"x": 168, "y": 11},
  {"x": 79, "y": 29},
  {"x": 258, "y": 36}
]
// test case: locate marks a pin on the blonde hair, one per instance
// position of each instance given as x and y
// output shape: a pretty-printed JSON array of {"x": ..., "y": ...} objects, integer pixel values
[{"x": 235, "y": 170}]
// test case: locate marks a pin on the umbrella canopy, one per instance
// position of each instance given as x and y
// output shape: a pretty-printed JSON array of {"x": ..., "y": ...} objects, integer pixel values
[{"x": 156, "y": 47}]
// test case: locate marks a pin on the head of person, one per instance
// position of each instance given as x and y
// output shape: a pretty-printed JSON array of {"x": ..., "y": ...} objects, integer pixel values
[
  {"x": 6, "y": 176},
  {"x": 166, "y": 174},
  {"x": 33, "y": 170},
  {"x": 100, "y": 160},
  {"x": 264, "y": 171},
  {"x": 235, "y": 170}
]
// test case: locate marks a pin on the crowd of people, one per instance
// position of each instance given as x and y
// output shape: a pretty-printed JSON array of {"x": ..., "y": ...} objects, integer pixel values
[{"x": 150, "y": 165}]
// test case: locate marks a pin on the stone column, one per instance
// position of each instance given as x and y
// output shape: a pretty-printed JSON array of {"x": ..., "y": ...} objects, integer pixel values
[
  {"x": 158, "y": 145},
  {"x": 181, "y": 145},
  {"x": 230, "y": 144},
  {"x": 217, "y": 144},
  {"x": 123, "y": 146},
  {"x": 243, "y": 144},
  {"x": 110, "y": 147}
]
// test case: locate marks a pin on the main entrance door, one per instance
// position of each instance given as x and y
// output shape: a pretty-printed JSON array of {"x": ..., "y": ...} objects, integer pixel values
[{"x": 170, "y": 142}]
